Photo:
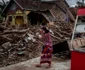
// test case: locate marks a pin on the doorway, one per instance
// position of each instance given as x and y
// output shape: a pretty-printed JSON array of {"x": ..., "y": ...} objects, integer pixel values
[
  {"x": 36, "y": 18},
  {"x": 19, "y": 20}
]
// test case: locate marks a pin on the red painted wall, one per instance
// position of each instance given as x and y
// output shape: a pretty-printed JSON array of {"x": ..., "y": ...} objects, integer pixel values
[
  {"x": 81, "y": 12},
  {"x": 77, "y": 60}
]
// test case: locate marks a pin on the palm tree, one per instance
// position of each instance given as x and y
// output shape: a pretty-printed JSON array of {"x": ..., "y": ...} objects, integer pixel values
[{"x": 3, "y": 2}]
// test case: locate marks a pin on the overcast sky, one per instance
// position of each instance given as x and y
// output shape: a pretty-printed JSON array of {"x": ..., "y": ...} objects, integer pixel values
[
  {"x": 72, "y": 3},
  {"x": 4, "y": 0}
]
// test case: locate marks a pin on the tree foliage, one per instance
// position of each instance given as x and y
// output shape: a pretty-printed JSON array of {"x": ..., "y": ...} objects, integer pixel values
[{"x": 80, "y": 4}]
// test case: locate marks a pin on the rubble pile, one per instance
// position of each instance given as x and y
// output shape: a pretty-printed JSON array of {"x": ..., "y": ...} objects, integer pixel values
[
  {"x": 61, "y": 31},
  {"x": 18, "y": 45}
]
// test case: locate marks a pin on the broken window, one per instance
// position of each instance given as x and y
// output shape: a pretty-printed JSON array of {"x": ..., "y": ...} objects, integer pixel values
[{"x": 10, "y": 18}]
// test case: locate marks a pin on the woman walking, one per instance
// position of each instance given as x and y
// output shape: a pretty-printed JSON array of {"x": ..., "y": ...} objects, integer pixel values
[{"x": 47, "y": 48}]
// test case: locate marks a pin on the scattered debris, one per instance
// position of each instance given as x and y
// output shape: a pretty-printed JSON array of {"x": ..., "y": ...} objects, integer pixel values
[{"x": 18, "y": 45}]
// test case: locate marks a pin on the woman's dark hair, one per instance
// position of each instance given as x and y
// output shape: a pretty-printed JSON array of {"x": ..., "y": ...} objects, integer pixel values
[
  {"x": 45, "y": 29},
  {"x": 43, "y": 24}
]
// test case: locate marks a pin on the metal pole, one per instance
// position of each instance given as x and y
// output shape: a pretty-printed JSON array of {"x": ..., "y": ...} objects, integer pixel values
[{"x": 74, "y": 33}]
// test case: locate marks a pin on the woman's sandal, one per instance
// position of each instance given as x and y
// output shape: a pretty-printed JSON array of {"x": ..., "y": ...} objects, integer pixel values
[
  {"x": 38, "y": 66},
  {"x": 48, "y": 66}
]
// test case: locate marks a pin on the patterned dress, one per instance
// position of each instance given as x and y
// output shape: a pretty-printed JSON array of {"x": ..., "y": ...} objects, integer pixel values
[{"x": 47, "y": 49}]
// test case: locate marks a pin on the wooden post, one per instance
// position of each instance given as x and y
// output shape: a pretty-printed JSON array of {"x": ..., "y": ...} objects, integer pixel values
[
  {"x": 13, "y": 20},
  {"x": 74, "y": 33}
]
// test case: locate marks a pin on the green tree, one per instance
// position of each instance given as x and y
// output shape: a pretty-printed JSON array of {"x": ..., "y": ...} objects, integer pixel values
[
  {"x": 80, "y": 4},
  {"x": 2, "y": 6}
]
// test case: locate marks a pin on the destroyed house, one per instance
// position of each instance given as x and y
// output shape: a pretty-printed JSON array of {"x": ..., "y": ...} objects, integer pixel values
[{"x": 37, "y": 11}]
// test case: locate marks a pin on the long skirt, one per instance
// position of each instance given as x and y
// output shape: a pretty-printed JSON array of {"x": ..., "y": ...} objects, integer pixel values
[{"x": 46, "y": 54}]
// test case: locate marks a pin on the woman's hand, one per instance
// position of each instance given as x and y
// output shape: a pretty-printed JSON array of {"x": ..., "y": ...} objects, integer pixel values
[{"x": 40, "y": 36}]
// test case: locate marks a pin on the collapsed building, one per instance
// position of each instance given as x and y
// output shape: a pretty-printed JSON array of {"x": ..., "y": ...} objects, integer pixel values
[{"x": 20, "y": 12}]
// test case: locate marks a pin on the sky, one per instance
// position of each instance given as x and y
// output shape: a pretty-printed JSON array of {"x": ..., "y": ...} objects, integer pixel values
[
  {"x": 4, "y": 0},
  {"x": 72, "y": 3}
]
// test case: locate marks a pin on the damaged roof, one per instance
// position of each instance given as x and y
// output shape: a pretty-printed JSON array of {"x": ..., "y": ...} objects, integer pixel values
[
  {"x": 35, "y": 5},
  {"x": 39, "y": 5},
  {"x": 32, "y": 5}
]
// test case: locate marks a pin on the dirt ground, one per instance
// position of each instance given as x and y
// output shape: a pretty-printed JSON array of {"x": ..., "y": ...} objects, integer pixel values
[{"x": 57, "y": 64}]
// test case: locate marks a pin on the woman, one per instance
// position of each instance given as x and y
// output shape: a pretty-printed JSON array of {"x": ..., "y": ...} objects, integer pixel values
[{"x": 47, "y": 49}]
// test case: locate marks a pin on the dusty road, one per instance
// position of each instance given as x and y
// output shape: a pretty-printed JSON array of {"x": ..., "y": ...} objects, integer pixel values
[{"x": 57, "y": 64}]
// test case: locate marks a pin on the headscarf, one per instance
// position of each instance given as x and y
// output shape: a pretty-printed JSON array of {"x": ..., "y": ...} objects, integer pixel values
[{"x": 45, "y": 29}]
